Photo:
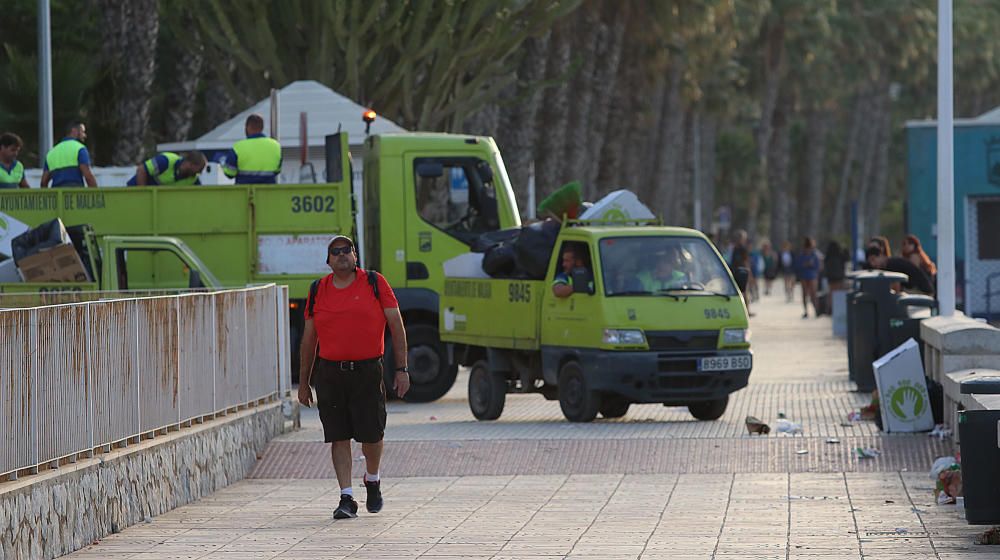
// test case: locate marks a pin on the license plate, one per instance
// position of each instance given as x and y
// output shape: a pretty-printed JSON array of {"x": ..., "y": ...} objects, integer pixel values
[{"x": 724, "y": 363}]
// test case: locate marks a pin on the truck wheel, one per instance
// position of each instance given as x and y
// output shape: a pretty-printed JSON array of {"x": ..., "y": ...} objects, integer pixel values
[
  {"x": 579, "y": 403},
  {"x": 487, "y": 391},
  {"x": 614, "y": 406},
  {"x": 430, "y": 374},
  {"x": 709, "y": 410}
]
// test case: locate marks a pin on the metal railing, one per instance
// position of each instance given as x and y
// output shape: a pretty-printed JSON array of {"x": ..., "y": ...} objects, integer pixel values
[{"x": 84, "y": 377}]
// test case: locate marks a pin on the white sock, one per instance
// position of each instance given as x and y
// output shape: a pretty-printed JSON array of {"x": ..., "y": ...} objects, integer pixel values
[
  {"x": 347, "y": 491},
  {"x": 369, "y": 477}
]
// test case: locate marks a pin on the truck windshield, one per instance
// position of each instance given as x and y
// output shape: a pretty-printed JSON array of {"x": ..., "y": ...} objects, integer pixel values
[{"x": 663, "y": 265}]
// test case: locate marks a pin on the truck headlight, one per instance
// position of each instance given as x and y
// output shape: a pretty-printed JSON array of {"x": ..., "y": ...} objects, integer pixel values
[
  {"x": 735, "y": 336},
  {"x": 631, "y": 337}
]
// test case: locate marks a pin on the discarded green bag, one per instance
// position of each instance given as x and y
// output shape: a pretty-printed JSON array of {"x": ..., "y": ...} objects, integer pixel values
[{"x": 566, "y": 200}]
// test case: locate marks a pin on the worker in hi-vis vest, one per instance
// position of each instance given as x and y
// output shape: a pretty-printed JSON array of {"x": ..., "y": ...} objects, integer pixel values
[
  {"x": 255, "y": 160},
  {"x": 68, "y": 163},
  {"x": 168, "y": 168},
  {"x": 11, "y": 170}
]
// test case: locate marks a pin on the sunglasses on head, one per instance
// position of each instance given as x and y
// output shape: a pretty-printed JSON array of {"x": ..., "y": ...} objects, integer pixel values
[{"x": 341, "y": 250}]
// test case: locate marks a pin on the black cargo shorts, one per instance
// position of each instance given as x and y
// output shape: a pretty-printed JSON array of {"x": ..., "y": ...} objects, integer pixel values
[{"x": 350, "y": 397}]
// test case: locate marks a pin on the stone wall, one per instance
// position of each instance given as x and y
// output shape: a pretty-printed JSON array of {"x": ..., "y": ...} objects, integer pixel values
[{"x": 62, "y": 510}]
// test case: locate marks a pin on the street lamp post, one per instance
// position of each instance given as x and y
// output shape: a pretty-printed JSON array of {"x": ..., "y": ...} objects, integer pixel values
[
  {"x": 945, "y": 165},
  {"x": 44, "y": 81}
]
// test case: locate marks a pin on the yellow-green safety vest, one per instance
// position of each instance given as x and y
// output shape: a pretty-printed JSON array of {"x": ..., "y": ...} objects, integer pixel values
[
  {"x": 257, "y": 158},
  {"x": 64, "y": 155},
  {"x": 169, "y": 175},
  {"x": 11, "y": 179}
]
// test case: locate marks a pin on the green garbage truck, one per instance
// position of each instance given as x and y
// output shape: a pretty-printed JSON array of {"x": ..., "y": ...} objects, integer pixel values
[{"x": 423, "y": 198}]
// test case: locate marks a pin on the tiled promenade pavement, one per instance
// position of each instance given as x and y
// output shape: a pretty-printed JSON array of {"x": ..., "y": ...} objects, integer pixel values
[{"x": 654, "y": 485}]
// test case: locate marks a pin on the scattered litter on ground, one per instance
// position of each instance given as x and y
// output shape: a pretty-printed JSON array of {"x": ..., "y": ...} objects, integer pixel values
[
  {"x": 833, "y": 440},
  {"x": 852, "y": 416},
  {"x": 989, "y": 536},
  {"x": 802, "y": 452},
  {"x": 889, "y": 502},
  {"x": 846, "y": 424},
  {"x": 433, "y": 418},
  {"x": 781, "y": 414},
  {"x": 785, "y": 426},
  {"x": 755, "y": 426},
  {"x": 940, "y": 431},
  {"x": 867, "y": 452},
  {"x": 946, "y": 472}
]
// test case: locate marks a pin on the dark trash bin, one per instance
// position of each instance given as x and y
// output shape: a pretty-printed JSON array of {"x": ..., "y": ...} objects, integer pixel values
[
  {"x": 979, "y": 435},
  {"x": 879, "y": 320}
]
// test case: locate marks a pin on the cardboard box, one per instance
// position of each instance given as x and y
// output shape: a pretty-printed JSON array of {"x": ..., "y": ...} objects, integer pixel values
[
  {"x": 902, "y": 390},
  {"x": 57, "y": 264},
  {"x": 8, "y": 272}
]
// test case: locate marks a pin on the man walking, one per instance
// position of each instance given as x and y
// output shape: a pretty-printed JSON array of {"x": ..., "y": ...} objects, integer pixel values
[
  {"x": 168, "y": 168},
  {"x": 11, "y": 170},
  {"x": 347, "y": 312},
  {"x": 255, "y": 160},
  {"x": 68, "y": 163}
]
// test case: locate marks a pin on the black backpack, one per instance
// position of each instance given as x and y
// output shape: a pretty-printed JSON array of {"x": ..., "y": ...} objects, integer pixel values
[{"x": 372, "y": 281}]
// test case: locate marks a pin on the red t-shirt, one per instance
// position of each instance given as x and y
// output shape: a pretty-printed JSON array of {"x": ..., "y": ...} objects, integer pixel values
[{"x": 349, "y": 322}]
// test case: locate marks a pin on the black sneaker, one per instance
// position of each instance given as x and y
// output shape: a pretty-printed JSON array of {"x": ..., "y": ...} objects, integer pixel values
[
  {"x": 347, "y": 509},
  {"x": 374, "y": 502}
]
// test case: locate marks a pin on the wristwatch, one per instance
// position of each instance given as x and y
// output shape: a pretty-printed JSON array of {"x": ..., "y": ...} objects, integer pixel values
[{"x": 403, "y": 369}]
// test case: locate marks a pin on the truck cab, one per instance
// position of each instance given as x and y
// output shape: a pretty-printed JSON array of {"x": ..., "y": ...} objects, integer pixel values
[
  {"x": 654, "y": 316},
  {"x": 426, "y": 198},
  {"x": 116, "y": 263}
]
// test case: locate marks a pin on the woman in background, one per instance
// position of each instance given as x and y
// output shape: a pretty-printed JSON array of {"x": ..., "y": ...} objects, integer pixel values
[
  {"x": 914, "y": 252},
  {"x": 834, "y": 266}
]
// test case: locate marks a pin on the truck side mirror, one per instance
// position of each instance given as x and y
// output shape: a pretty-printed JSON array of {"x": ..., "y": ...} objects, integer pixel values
[
  {"x": 742, "y": 277},
  {"x": 485, "y": 172},
  {"x": 194, "y": 280},
  {"x": 430, "y": 169},
  {"x": 583, "y": 281}
]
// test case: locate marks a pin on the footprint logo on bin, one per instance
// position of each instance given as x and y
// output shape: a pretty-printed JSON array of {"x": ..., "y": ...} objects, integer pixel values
[{"x": 907, "y": 403}]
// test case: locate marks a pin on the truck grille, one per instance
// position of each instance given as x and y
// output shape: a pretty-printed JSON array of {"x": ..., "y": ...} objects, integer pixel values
[{"x": 660, "y": 341}]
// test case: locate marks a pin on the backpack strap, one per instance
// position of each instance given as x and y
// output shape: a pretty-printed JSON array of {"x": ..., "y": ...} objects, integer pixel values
[
  {"x": 312, "y": 295},
  {"x": 373, "y": 282}
]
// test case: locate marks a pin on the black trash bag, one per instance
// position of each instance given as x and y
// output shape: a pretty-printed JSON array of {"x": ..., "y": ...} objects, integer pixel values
[
  {"x": 533, "y": 248},
  {"x": 498, "y": 261},
  {"x": 46, "y": 236},
  {"x": 493, "y": 238}
]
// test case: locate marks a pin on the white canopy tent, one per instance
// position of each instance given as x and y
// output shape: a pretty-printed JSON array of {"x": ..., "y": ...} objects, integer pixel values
[{"x": 326, "y": 111}]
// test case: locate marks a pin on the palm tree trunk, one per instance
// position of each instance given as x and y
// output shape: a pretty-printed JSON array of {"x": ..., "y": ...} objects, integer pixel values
[
  {"x": 517, "y": 132},
  {"x": 588, "y": 32},
  {"x": 709, "y": 136},
  {"x": 774, "y": 69},
  {"x": 859, "y": 117},
  {"x": 817, "y": 127},
  {"x": 182, "y": 91},
  {"x": 670, "y": 145},
  {"x": 555, "y": 118},
  {"x": 779, "y": 157},
  {"x": 130, "y": 30},
  {"x": 604, "y": 84}
]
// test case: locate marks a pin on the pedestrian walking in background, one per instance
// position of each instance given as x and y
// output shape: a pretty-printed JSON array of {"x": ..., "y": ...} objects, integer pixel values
[
  {"x": 786, "y": 264},
  {"x": 835, "y": 269},
  {"x": 771, "y": 266},
  {"x": 168, "y": 168},
  {"x": 882, "y": 243},
  {"x": 741, "y": 259},
  {"x": 807, "y": 268},
  {"x": 68, "y": 163},
  {"x": 913, "y": 251},
  {"x": 11, "y": 170},
  {"x": 255, "y": 160},
  {"x": 346, "y": 314}
]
